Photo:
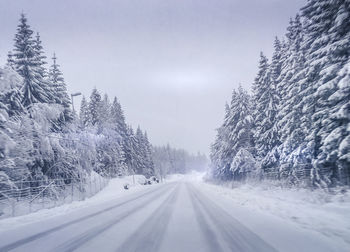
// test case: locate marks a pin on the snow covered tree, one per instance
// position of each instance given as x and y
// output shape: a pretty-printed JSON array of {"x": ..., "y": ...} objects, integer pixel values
[
  {"x": 140, "y": 152},
  {"x": 84, "y": 114},
  {"x": 118, "y": 118},
  {"x": 283, "y": 159},
  {"x": 327, "y": 51},
  {"x": 38, "y": 48},
  {"x": 10, "y": 94},
  {"x": 59, "y": 90},
  {"x": 131, "y": 152},
  {"x": 168, "y": 160},
  {"x": 265, "y": 102},
  {"x": 105, "y": 110},
  {"x": 277, "y": 61},
  {"x": 118, "y": 124},
  {"x": 289, "y": 112},
  {"x": 219, "y": 160},
  {"x": 149, "y": 164},
  {"x": 337, "y": 141},
  {"x": 10, "y": 61},
  {"x": 28, "y": 65},
  {"x": 234, "y": 135},
  {"x": 94, "y": 108},
  {"x": 301, "y": 102}
]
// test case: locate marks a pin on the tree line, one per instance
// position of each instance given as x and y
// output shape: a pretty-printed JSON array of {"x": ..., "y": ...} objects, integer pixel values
[
  {"x": 295, "y": 126},
  {"x": 43, "y": 139},
  {"x": 169, "y": 160}
]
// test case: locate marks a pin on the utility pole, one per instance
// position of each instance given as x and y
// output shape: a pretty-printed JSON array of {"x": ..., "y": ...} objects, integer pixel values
[{"x": 72, "y": 95}]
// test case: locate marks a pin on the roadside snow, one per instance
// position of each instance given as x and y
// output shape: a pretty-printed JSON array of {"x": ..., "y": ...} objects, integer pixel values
[
  {"x": 114, "y": 190},
  {"x": 324, "y": 213}
]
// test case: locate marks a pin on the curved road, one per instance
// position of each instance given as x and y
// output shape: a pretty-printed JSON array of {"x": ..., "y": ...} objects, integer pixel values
[{"x": 171, "y": 217}]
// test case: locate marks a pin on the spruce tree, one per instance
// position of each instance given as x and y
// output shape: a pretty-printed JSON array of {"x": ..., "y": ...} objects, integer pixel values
[
  {"x": 27, "y": 64},
  {"x": 60, "y": 89},
  {"x": 84, "y": 114},
  {"x": 324, "y": 61},
  {"x": 95, "y": 108},
  {"x": 105, "y": 112},
  {"x": 240, "y": 122},
  {"x": 10, "y": 60},
  {"x": 219, "y": 161},
  {"x": 42, "y": 77},
  {"x": 290, "y": 110},
  {"x": 149, "y": 157},
  {"x": 118, "y": 124},
  {"x": 265, "y": 104},
  {"x": 118, "y": 118}
]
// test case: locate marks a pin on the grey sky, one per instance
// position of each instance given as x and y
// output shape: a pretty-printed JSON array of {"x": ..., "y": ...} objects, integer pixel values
[{"x": 171, "y": 63}]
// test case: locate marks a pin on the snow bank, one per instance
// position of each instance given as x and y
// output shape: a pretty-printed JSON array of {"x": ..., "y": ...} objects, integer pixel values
[
  {"x": 114, "y": 190},
  {"x": 325, "y": 213}
]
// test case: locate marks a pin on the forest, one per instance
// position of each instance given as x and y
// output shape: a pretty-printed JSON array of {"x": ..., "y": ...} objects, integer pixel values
[
  {"x": 294, "y": 125},
  {"x": 43, "y": 139}
]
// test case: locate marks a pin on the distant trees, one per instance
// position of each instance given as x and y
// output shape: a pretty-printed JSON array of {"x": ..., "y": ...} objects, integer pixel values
[
  {"x": 120, "y": 150},
  {"x": 300, "y": 105},
  {"x": 168, "y": 160}
]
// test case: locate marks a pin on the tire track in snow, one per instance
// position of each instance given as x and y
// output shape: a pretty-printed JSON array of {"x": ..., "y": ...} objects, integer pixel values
[
  {"x": 237, "y": 236},
  {"x": 44, "y": 233},
  {"x": 209, "y": 234},
  {"x": 83, "y": 238},
  {"x": 149, "y": 237}
]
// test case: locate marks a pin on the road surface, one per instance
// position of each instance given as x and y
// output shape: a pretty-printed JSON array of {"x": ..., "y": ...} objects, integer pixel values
[{"x": 176, "y": 216}]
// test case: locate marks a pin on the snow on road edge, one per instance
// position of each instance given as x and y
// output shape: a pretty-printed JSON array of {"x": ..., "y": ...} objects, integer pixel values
[
  {"x": 114, "y": 190},
  {"x": 316, "y": 211}
]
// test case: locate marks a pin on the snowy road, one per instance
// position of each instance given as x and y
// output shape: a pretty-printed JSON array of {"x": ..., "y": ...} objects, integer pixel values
[{"x": 176, "y": 216}]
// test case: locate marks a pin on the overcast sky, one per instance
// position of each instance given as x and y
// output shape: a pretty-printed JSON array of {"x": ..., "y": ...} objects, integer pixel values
[{"x": 171, "y": 63}]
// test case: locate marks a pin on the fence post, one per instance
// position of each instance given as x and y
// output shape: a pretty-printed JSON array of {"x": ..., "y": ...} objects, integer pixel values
[
  {"x": 72, "y": 190},
  {"x": 30, "y": 206},
  {"x": 95, "y": 186},
  {"x": 13, "y": 206},
  {"x": 100, "y": 183},
  {"x": 90, "y": 186}
]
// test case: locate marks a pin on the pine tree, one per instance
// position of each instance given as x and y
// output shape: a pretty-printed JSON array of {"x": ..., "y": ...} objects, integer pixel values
[
  {"x": 118, "y": 118},
  {"x": 140, "y": 152},
  {"x": 132, "y": 152},
  {"x": 149, "y": 157},
  {"x": 10, "y": 61},
  {"x": 27, "y": 65},
  {"x": 265, "y": 103},
  {"x": 95, "y": 108},
  {"x": 38, "y": 48},
  {"x": 84, "y": 114},
  {"x": 276, "y": 64},
  {"x": 326, "y": 45},
  {"x": 60, "y": 89},
  {"x": 42, "y": 72},
  {"x": 336, "y": 144},
  {"x": 240, "y": 122},
  {"x": 12, "y": 96},
  {"x": 118, "y": 124},
  {"x": 289, "y": 112},
  {"x": 234, "y": 135},
  {"x": 219, "y": 161}
]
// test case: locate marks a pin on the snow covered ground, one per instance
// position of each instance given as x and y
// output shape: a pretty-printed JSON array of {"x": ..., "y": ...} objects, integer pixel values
[
  {"x": 326, "y": 215},
  {"x": 113, "y": 191},
  {"x": 186, "y": 214}
]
